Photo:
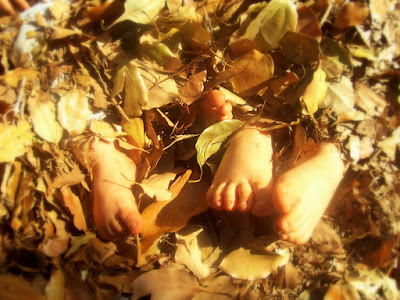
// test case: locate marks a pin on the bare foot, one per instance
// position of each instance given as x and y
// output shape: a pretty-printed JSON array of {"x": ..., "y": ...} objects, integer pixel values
[
  {"x": 244, "y": 175},
  {"x": 302, "y": 194},
  {"x": 115, "y": 212},
  {"x": 214, "y": 108}
]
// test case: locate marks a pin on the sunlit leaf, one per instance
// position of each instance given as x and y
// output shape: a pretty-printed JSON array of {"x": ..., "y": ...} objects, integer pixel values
[
  {"x": 315, "y": 92},
  {"x": 73, "y": 111},
  {"x": 129, "y": 78},
  {"x": 135, "y": 128},
  {"x": 243, "y": 264},
  {"x": 14, "y": 139},
  {"x": 340, "y": 96},
  {"x": 142, "y": 12},
  {"x": 166, "y": 284},
  {"x": 43, "y": 117},
  {"x": 279, "y": 17},
  {"x": 211, "y": 139},
  {"x": 73, "y": 204}
]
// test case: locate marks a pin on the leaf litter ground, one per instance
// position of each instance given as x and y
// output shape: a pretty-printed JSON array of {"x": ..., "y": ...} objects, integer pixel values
[{"x": 131, "y": 74}]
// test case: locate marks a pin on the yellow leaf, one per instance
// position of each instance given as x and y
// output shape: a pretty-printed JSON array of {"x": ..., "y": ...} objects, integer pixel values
[
  {"x": 73, "y": 111},
  {"x": 243, "y": 264},
  {"x": 14, "y": 139},
  {"x": 73, "y": 204},
  {"x": 142, "y": 12},
  {"x": 128, "y": 77},
  {"x": 135, "y": 128},
  {"x": 13, "y": 77},
  {"x": 43, "y": 117},
  {"x": 315, "y": 92}
]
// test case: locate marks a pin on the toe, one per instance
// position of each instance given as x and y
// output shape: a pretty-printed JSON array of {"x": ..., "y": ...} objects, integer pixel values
[
  {"x": 214, "y": 98},
  {"x": 229, "y": 197},
  {"x": 131, "y": 219},
  {"x": 245, "y": 197},
  {"x": 217, "y": 199},
  {"x": 225, "y": 112}
]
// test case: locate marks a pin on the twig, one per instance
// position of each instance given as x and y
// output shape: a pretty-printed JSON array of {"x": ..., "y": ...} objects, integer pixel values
[{"x": 327, "y": 12}]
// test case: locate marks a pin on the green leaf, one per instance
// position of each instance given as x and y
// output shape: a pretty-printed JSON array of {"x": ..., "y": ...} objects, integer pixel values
[
  {"x": 211, "y": 139},
  {"x": 279, "y": 17},
  {"x": 142, "y": 12}
]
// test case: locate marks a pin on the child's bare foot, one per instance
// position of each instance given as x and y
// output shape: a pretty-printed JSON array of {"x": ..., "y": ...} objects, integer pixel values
[
  {"x": 115, "y": 212},
  {"x": 214, "y": 108},
  {"x": 244, "y": 175},
  {"x": 302, "y": 194}
]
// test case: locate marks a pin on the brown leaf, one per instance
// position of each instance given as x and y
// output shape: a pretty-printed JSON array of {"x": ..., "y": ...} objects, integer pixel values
[
  {"x": 308, "y": 23},
  {"x": 192, "y": 89},
  {"x": 351, "y": 14},
  {"x": 13, "y": 77},
  {"x": 73, "y": 204},
  {"x": 299, "y": 48},
  {"x": 249, "y": 71}
]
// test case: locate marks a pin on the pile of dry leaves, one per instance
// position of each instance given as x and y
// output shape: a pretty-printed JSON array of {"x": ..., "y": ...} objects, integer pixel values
[{"x": 131, "y": 73}]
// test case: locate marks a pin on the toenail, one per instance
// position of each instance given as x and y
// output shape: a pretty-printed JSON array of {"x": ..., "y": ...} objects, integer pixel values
[
  {"x": 218, "y": 204},
  {"x": 284, "y": 236}
]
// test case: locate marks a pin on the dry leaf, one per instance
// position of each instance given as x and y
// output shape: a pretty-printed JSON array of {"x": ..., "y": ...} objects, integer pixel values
[
  {"x": 43, "y": 117},
  {"x": 390, "y": 144},
  {"x": 308, "y": 23},
  {"x": 142, "y": 12},
  {"x": 315, "y": 92},
  {"x": 170, "y": 216},
  {"x": 158, "y": 186},
  {"x": 299, "y": 48},
  {"x": 192, "y": 89},
  {"x": 340, "y": 96},
  {"x": 73, "y": 204},
  {"x": 188, "y": 253},
  {"x": 244, "y": 264},
  {"x": 166, "y": 284},
  {"x": 62, "y": 33},
  {"x": 73, "y": 111},
  {"x": 12, "y": 78},
  {"x": 68, "y": 179},
  {"x": 14, "y": 139},
  {"x": 351, "y": 14},
  {"x": 17, "y": 288},
  {"x": 135, "y": 129},
  {"x": 128, "y": 77},
  {"x": 249, "y": 71},
  {"x": 327, "y": 239}
]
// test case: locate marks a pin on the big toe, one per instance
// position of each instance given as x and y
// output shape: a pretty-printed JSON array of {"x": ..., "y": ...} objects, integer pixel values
[{"x": 131, "y": 218}]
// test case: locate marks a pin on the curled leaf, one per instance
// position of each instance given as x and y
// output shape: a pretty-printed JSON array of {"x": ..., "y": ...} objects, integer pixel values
[{"x": 211, "y": 139}]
